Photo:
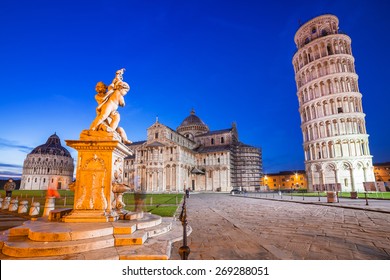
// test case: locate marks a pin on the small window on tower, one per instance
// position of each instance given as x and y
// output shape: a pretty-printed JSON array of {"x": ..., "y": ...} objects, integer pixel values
[
  {"x": 314, "y": 30},
  {"x": 339, "y": 110}
]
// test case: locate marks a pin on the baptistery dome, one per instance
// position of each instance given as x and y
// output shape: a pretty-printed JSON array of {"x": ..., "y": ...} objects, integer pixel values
[
  {"x": 49, "y": 164},
  {"x": 52, "y": 147},
  {"x": 192, "y": 126}
]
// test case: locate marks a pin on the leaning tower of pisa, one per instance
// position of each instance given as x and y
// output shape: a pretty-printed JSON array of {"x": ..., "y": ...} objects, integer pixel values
[{"x": 335, "y": 139}]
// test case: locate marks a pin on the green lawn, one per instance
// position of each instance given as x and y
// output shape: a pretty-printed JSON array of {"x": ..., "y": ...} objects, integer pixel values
[
  {"x": 375, "y": 195},
  {"x": 160, "y": 204}
]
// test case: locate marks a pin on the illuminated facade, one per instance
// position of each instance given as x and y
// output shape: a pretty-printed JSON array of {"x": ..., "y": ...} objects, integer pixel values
[
  {"x": 285, "y": 180},
  {"x": 48, "y": 164},
  {"x": 335, "y": 139},
  {"x": 382, "y": 173},
  {"x": 192, "y": 157}
]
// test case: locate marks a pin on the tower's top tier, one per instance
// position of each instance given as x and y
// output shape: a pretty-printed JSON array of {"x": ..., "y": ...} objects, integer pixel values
[{"x": 316, "y": 28}]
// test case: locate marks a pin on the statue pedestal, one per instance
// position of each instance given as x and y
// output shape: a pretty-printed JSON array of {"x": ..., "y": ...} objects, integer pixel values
[{"x": 99, "y": 166}]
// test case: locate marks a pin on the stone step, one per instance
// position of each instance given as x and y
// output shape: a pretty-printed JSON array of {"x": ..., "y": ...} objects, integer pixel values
[
  {"x": 149, "y": 220},
  {"x": 164, "y": 227},
  {"x": 44, "y": 231},
  {"x": 156, "y": 247},
  {"x": 137, "y": 238},
  {"x": 124, "y": 227},
  {"x": 22, "y": 247},
  {"x": 109, "y": 253},
  {"x": 152, "y": 249}
]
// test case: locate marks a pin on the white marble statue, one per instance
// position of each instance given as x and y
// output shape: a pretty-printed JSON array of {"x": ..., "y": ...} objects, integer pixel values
[{"x": 109, "y": 99}]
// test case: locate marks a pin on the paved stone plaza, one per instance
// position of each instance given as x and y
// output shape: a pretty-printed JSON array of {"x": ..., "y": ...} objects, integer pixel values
[{"x": 232, "y": 227}]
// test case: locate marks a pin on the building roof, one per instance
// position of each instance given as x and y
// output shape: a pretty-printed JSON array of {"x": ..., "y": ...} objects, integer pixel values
[
  {"x": 286, "y": 173},
  {"x": 192, "y": 123},
  {"x": 51, "y": 147},
  {"x": 155, "y": 144},
  {"x": 192, "y": 119},
  {"x": 137, "y": 143},
  {"x": 212, "y": 149},
  {"x": 221, "y": 131}
]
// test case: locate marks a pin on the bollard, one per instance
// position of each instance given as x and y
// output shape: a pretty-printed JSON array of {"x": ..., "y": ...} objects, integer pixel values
[
  {"x": 49, "y": 205},
  {"x": 365, "y": 194},
  {"x": 1, "y": 202},
  {"x": 35, "y": 208},
  {"x": 319, "y": 199},
  {"x": 6, "y": 203},
  {"x": 13, "y": 206},
  {"x": 23, "y": 207}
]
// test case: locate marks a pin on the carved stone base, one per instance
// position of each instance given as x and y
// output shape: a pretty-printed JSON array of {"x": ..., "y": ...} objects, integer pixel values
[
  {"x": 90, "y": 216},
  {"x": 99, "y": 135},
  {"x": 99, "y": 167}
]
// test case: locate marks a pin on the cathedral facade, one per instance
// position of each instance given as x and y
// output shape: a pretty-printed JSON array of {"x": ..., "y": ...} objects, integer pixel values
[
  {"x": 49, "y": 164},
  {"x": 192, "y": 157}
]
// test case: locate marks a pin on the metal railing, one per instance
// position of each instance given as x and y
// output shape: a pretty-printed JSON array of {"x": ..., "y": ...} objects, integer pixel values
[{"x": 184, "y": 250}]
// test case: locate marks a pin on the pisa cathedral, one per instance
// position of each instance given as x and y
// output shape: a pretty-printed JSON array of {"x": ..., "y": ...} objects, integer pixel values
[
  {"x": 335, "y": 139},
  {"x": 192, "y": 157}
]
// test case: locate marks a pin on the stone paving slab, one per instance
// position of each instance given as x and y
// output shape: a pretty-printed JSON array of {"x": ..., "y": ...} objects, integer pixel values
[{"x": 232, "y": 227}]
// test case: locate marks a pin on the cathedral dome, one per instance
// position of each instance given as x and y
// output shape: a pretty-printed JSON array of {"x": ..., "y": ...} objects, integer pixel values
[
  {"x": 52, "y": 147},
  {"x": 192, "y": 126}
]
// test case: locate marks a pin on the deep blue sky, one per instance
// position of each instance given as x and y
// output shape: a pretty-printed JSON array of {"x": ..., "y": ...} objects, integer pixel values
[{"x": 229, "y": 60}]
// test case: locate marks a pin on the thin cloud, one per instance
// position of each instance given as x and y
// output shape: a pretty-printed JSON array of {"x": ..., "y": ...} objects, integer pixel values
[
  {"x": 7, "y": 144},
  {"x": 9, "y": 165}
]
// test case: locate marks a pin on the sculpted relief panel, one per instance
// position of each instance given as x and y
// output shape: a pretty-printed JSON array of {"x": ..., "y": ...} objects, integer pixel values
[{"x": 91, "y": 191}]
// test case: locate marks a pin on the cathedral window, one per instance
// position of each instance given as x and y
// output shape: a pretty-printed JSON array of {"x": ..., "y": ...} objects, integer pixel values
[
  {"x": 44, "y": 180},
  {"x": 222, "y": 140},
  {"x": 156, "y": 135},
  {"x": 212, "y": 141}
]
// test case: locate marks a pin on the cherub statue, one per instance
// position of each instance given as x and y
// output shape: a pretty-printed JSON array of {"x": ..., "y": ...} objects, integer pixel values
[{"x": 108, "y": 117}]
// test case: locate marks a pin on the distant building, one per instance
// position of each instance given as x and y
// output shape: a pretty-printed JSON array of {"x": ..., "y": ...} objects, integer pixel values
[
  {"x": 284, "y": 180},
  {"x": 48, "y": 164},
  {"x": 382, "y": 173},
  {"x": 192, "y": 157},
  {"x": 335, "y": 139}
]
